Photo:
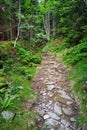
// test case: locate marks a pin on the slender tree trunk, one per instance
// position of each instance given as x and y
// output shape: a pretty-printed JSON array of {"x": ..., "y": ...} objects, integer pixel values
[
  {"x": 47, "y": 25},
  {"x": 21, "y": 37},
  {"x": 18, "y": 31},
  {"x": 11, "y": 31},
  {"x": 54, "y": 27}
]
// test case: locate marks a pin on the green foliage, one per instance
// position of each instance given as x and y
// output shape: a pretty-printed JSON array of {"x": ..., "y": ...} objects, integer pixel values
[
  {"x": 79, "y": 75},
  {"x": 37, "y": 58},
  {"x": 18, "y": 67},
  {"x": 76, "y": 53},
  {"x": 28, "y": 56},
  {"x": 54, "y": 46},
  {"x": 9, "y": 97},
  {"x": 72, "y": 21},
  {"x": 76, "y": 57},
  {"x": 7, "y": 101},
  {"x": 28, "y": 72}
]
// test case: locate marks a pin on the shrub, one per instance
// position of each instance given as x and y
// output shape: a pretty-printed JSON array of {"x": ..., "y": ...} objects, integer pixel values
[
  {"x": 36, "y": 58},
  {"x": 76, "y": 53}
]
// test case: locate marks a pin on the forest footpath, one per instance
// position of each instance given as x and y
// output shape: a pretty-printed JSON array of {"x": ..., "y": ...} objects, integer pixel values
[{"x": 56, "y": 104}]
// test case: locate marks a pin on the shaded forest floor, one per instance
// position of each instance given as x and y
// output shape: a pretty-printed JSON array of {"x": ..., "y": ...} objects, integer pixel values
[{"x": 56, "y": 104}]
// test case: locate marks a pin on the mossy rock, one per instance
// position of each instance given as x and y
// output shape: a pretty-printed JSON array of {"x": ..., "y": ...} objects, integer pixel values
[{"x": 3, "y": 83}]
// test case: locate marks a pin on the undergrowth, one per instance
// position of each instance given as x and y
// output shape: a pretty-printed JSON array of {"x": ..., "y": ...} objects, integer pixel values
[
  {"x": 17, "y": 68},
  {"x": 76, "y": 58}
]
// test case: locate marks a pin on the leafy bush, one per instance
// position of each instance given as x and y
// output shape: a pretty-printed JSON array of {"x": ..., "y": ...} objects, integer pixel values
[
  {"x": 8, "y": 101},
  {"x": 18, "y": 67},
  {"x": 79, "y": 75},
  {"x": 76, "y": 53},
  {"x": 77, "y": 57},
  {"x": 37, "y": 58},
  {"x": 55, "y": 46},
  {"x": 24, "y": 54},
  {"x": 28, "y": 56},
  {"x": 28, "y": 72},
  {"x": 8, "y": 96}
]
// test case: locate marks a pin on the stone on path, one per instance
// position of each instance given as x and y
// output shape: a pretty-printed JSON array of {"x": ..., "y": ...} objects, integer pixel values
[
  {"x": 72, "y": 119},
  {"x": 68, "y": 111},
  {"x": 62, "y": 127},
  {"x": 50, "y": 87},
  {"x": 53, "y": 116},
  {"x": 69, "y": 102},
  {"x": 64, "y": 95},
  {"x": 57, "y": 109},
  {"x": 7, "y": 115},
  {"x": 50, "y": 94},
  {"x": 44, "y": 94},
  {"x": 51, "y": 122},
  {"x": 46, "y": 117}
]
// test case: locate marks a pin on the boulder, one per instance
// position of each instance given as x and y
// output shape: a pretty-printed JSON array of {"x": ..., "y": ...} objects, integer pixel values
[{"x": 7, "y": 115}]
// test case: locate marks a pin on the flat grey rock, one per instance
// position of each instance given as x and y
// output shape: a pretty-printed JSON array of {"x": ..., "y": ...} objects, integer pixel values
[
  {"x": 68, "y": 128},
  {"x": 72, "y": 119},
  {"x": 67, "y": 111},
  {"x": 64, "y": 95},
  {"x": 63, "y": 121},
  {"x": 62, "y": 127},
  {"x": 69, "y": 102},
  {"x": 51, "y": 122},
  {"x": 7, "y": 115},
  {"x": 57, "y": 109},
  {"x": 52, "y": 129},
  {"x": 54, "y": 116},
  {"x": 67, "y": 124},
  {"x": 44, "y": 94},
  {"x": 50, "y": 87}
]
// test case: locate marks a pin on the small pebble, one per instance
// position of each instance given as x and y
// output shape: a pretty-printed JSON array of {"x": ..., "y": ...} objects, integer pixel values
[{"x": 46, "y": 117}]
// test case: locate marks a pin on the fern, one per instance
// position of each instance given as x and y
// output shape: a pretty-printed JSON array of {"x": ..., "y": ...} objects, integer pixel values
[{"x": 76, "y": 53}]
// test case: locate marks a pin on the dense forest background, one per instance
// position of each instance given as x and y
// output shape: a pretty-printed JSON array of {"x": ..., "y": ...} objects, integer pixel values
[{"x": 26, "y": 26}]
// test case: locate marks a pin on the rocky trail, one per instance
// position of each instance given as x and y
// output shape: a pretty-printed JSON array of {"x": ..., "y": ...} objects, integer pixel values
[{"x": 56, "y": 105}]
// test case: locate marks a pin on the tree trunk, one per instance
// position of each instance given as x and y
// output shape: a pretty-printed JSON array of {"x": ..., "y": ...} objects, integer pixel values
[
  {"x": 54, "y": 27},
  {"x": 18, "y": 31},
  {"x": 47, "y": 25},
  {"x": 11, "y": 31}
]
